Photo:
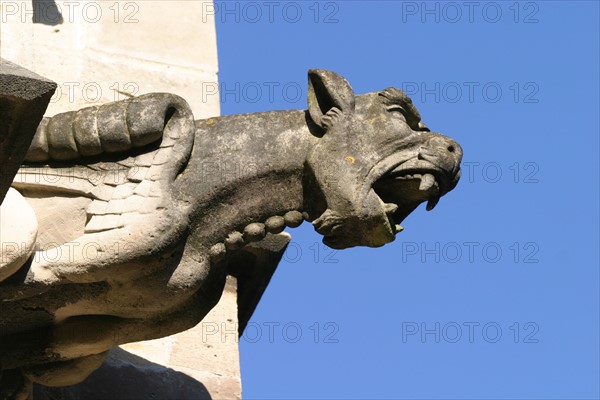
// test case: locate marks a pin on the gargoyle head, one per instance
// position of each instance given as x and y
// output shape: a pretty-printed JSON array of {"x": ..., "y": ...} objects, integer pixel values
[{"x": 374, "y": 163}]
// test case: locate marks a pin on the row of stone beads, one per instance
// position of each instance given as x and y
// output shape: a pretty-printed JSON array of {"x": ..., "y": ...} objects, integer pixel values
[{"x": 255, "y": 232}]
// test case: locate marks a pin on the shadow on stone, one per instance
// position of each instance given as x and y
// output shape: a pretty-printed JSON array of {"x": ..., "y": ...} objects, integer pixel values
[
  {"x": 125, "y": 376},
  {"x": 46, "y": 12}
]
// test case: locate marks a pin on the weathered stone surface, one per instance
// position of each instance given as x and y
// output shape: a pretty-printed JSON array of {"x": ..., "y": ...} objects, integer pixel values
[
  {"x": 18, "y": 232},
  {"x": 24, "y": 97},
  {"x": 92, "y": 62},
  {"x": 200, "y": 363},
  {"x": 275, "y": 224},
  {"x": 156, "y": 247},
  {"x": 64, "y": 373}
]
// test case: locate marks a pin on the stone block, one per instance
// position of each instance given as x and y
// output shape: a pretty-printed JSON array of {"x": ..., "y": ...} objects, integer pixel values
[{"x": 24, "y": 97}]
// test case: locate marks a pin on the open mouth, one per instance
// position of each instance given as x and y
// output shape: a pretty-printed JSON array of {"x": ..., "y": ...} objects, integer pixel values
[{"x": 406, "y": 186}]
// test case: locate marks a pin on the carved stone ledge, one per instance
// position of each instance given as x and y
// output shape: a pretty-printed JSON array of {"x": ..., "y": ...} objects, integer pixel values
[{"x": 24, "y": 97}]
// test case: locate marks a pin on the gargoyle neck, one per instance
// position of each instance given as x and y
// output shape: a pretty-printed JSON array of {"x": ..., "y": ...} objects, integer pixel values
[{"x": 246, "y": 169}]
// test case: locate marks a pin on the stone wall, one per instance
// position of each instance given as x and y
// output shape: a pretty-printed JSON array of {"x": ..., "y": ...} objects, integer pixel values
[{"x": 101, "y": 51}]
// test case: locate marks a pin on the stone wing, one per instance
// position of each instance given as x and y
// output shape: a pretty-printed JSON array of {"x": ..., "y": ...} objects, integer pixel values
[
  {"x": 119, "y": 191},
  {"x": 127, "y": 175}
]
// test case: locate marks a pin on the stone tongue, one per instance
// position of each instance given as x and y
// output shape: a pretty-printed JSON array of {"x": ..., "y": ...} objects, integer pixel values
[{"x": 427, "y": 181}]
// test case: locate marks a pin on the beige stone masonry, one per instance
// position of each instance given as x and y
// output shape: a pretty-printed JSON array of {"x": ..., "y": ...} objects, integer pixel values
[{"x": 106, "y": 50}]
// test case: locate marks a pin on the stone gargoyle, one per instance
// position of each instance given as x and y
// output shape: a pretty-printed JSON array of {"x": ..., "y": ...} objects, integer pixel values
[{"x": 133, "y": 209}]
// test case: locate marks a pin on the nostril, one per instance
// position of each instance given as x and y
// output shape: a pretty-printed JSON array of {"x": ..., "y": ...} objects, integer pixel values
[{"x": 451, "y": 149}]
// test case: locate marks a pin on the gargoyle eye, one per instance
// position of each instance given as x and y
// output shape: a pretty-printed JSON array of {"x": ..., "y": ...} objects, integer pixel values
[
  {"x": 412, "y": 120},
  {"x": 397, "y": 110}
]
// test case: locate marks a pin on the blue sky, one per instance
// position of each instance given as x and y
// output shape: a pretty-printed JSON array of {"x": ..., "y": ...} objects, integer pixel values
[{"x": 495, "y": 293}]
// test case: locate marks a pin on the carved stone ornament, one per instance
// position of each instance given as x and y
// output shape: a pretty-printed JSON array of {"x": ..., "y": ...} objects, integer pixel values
[{"x": 123, "y": 221}]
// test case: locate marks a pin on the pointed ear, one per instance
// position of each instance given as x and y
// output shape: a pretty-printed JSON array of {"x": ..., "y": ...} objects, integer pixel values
[{"x": 326, "y": 90}]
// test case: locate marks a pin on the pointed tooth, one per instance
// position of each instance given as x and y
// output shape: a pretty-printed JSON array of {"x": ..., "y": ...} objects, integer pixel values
[
  {"x": 427, "y": 182},
  {"x": 399, "y": 228},
  {"x": 432, "y": 203},
  {"x": 390, "y": 208}
]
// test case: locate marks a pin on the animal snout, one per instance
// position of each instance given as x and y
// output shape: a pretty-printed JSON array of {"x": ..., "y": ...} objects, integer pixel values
[{"x": 443, "y": 152}]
